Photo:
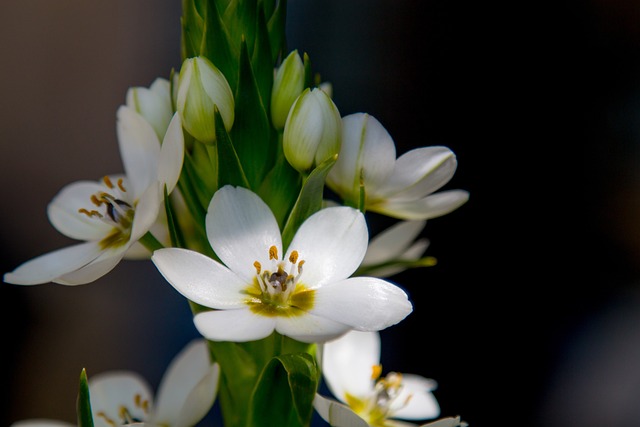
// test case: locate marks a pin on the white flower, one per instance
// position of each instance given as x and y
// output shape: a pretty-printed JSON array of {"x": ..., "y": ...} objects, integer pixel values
[
  {"x": 396, "y": 243},
  {"x": 153, "y": 103},
  {"x": 112, "y": 214},
  {"x": 257, "y": 291},
  {"x": 400, "y": 188},
  {"x": 288, "y": 84},
  {"x": 185, "y": 394},
  {"x": 351, "y": 369}
]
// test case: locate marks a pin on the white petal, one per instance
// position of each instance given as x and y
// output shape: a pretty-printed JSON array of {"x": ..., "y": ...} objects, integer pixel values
[
  {"x": 432, "y": 206},
  {"x": 241, "y": 228},
  {"x": 367, "y": 148},
  {"x": 200, "y": 278},
  {"x": 347, "y": 363},
  {"x": 446, "y": 422},
  {"x": 422, "y": 404},
  {"x": 332, "y": 242},
  {"x": 412, "y": 254},
  {"x": 310, "y": 328},
  {"x": 364, "y": 303},
  {"x": 191, "y": 370},
  {"x": 95, "y": 269},
  {"x": 139, "y": 149},
  {"x": 234, "y": 325},
  {"x": 337, "y": 414},
  {"x": 41, "y": 422},
  {"x": 392, "y": 242},
  {"x": 147, "y": 211},
  {"x": 171, "y": 154},
  {"x": 154, "y": 104},
  {"x": 63, "y": 211},
  {"x": 112, "y": 390},
  {"x": 51, "y": 266},
  {"x": 419, "y": 172}
]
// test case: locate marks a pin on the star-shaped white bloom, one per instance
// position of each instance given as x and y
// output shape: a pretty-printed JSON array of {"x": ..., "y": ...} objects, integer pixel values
[
  {"x": 306, "y": 294},
  {"x": 351, "y": 369},
  {"x": 185, "y": 394},
  {"x": 389, "y": 248},
  {"x": 112, "y": 214},
  {"x": 401, "y": 188}
]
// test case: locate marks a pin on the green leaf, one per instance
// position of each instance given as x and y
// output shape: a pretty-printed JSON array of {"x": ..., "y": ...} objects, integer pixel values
[
  {"x": 175, "y": 233},
  {"x": 83, "y": 404},
  {"x": 284, "y": 394},
  {"x": 217, "y": 46},
  {"x": 229, "y": 167},
  {"x": 239, "y": 18},
  {"x": 192, "y": 23},
  {"x": 280, "y": 188},
  {"x": 277, "y": 31},
  {"x": 252, "y": 134},
  {"x": 309, "y": 200},
  {"x": 262, "y": 63}
]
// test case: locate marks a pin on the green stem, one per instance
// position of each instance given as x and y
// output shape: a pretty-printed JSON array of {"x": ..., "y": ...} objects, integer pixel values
[{"x": 150, "y": 242}]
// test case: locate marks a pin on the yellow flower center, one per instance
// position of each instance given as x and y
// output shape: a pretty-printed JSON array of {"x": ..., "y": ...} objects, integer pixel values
[
  {"x": 277, "y": 291},
  {"x": 111, "y": 209}
]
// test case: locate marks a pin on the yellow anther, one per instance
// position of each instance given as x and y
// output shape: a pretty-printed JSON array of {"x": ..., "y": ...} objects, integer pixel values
[
  {"x": 293, "y": 258},
  {"x": 90, "y": 213},
  {"x": 95, "y": 200},
  {"x": 376, "y": 370},
  {"x": 300, "y": 264},
  {"x": 105, "y": 418},
  {"x": 257, "y": 266},
  {"x": 121, "y": 185},
  {"x": 145, "y": 406},
  {"x": 107, "y": 181},
  {"x": 273, "y": 252},
  {"x": 137, "y": 399}
]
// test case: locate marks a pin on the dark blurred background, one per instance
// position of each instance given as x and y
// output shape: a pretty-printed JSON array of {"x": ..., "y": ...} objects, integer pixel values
[{"x": 532, "y": 315}]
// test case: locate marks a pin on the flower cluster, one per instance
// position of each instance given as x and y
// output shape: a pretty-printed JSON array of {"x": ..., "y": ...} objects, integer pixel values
[{"x": 248, "y": 190}]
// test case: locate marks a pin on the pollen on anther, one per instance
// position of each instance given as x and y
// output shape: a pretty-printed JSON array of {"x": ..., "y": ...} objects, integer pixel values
[
  {"x": 121, "y": 185},
  {"x": 293, "y": 258},
  {"x": 89, "y": 213},
  {"x": 376, "y": 370},
  {"x": 273, "y": 252},
  {"x": 107, "y": 181},
  {"x": 257, "y": 266},
  {"x": 95, "y": 200}
]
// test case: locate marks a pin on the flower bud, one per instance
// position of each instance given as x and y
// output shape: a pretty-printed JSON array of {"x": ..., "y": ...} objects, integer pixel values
[
  {"x": 312, "y": 132},
  {"x": 201, "y": 86},
  {"x": 153, "y": 103},
  {"x": 287, "y": 86}
]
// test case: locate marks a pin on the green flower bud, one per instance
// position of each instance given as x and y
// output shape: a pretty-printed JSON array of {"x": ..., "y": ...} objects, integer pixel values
[
  {"x": 313, "y": 130},
  {"x": 287, "y": 86},
  {"x": 201, "y": 86}
]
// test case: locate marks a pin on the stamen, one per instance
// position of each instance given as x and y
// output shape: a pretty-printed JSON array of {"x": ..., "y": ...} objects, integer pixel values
[
  {"x": 293, "y": 257},
  {"x": 376, "y": 370},
  {"x": 108, "y": 420},
  {"x": 95, "y": 200},
  {"x": 90, "y": 214},
  {"x": 273, "y": 253},
  {"x": 257, "y": 266},
  {"x": 121, "y": 186},
  {"x": 107, "y": 181}
]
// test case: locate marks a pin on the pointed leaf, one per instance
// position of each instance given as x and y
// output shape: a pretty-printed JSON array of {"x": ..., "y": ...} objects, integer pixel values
[
  {"x": 252, "y": 134},
  {"x": 83, "y": 405},
  {"x": 239, "y": 18},
  {"x": 284, "y": 394},
  {"x": 280, "y": 188},
  {"x": 229, "y": 167},
  {"x": 262, "y": 62},
  {"x": 191, "y": 30},
  {"x": 217, "y": 46},
  {"x": 309, "y": 200},
  {"x": 175, "y": 234},
  {"x": 277, "y": 34}
]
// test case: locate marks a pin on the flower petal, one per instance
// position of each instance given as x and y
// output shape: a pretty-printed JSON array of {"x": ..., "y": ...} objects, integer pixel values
[
  {"x": 332, "y": 242},
  {"x": 392, "y": 242},
  {"x": 337, "y": 414},
  {"x": 111, "y": 391},
  {"x": 241, "y": 228},
  {"x": 139, "y": 149},
  {"x": 147, "y": 211},
  {"x": 154, "y": 104},
  {"x": 367, "y": 151},
  {"x": 416, "y": 392},
  {"x": 412, "y": 254},
  {"x": 432, "y": 206},
  {"x": 310, "y": 328},
  {"x": 347, "y": 363},
  {"x": 95, "y": 269},
  {"x": 234, "y": 325},
  {"x": 420, "y": 172},
  {"x": 63, "y": 211},
  {"x": 364, "y": 303},
  {"x": 50, "y": 266},
  {"x": 191, "y": 382},
  {"x": 171, "y": 154},
  {"x": 200, "y": 278}
]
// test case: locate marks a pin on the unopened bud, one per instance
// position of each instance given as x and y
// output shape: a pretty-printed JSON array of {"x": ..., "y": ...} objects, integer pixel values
[{"x": 287, "y": 86}]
